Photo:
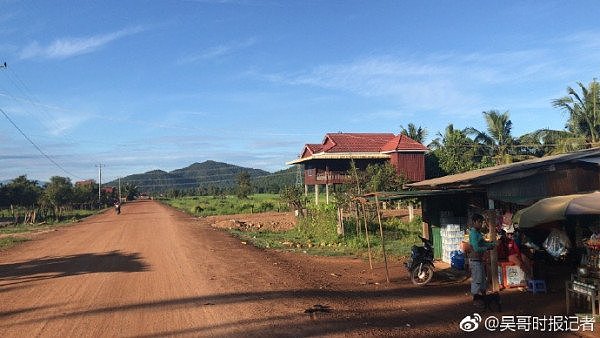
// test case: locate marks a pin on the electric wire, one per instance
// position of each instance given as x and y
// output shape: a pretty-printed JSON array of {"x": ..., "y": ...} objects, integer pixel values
[{"x": 37, "y": 147}]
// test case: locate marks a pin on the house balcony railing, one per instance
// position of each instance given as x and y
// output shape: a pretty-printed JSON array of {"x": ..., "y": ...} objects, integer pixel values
[{"x": 319, "y": 176}]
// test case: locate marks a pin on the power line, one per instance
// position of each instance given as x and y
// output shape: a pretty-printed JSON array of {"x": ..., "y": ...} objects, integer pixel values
[
  {"x": 36, "y": 146},
  {"x": 231, "y": 175}
]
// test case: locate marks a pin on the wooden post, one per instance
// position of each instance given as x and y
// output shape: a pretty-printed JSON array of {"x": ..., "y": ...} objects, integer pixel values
[
  {"x": 327, "y": 184},
  {"x": 367, "y": 234},
  {"x": 340, "y": 224},
  {"x": 316, "y": 194},
  {"x": 492, "y": 221},
  {"x": 387, "y": 274},
  {"x": 425, "y": 230},
  {"x": 357, "y": 220},
  {"x": 411, "y": 212}
]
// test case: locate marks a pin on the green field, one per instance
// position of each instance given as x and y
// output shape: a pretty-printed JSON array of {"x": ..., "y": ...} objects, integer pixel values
[
  {"x": 227, "y": 205},
  {"x": 315, "y": 234},
  {"x": 320, "y": 238}
]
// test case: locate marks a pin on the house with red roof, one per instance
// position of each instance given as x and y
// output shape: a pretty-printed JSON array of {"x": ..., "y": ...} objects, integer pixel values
[{"x": 327, "y": 163}]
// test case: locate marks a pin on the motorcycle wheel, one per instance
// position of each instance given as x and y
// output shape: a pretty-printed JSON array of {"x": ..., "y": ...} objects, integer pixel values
[{"x": 422, "y": 278}]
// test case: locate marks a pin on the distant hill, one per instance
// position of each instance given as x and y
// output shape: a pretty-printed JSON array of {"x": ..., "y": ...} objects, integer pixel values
[{"x": 201, "y": 177}]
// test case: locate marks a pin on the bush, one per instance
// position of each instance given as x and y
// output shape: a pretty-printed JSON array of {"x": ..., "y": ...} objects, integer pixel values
[
  {"x": 320, "y": 225},
  {"x": 265, "y": 206}
]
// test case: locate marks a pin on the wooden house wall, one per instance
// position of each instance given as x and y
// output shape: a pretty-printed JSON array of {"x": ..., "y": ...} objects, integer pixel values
[{"x": 410, "y": 165}]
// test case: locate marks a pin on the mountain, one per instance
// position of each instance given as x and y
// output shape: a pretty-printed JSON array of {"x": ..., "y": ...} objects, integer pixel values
[
  {"x": 277, "y": 180},
  {"x": 201, "y": 177}
]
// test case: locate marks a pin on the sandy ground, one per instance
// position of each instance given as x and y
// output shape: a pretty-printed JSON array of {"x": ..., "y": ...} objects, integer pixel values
[{"x": 153, "y": 271}]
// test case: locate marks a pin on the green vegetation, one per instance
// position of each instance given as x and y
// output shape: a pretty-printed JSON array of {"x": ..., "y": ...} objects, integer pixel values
[
  {"x": 209, "y": 178},
  {"x": 227, "y": 205},
  {"x": 26, "y": 201},
  {"x": 7, "y": 242},
  {"x": 316, "y": 235},
  {"x": 69, "y": 217}
]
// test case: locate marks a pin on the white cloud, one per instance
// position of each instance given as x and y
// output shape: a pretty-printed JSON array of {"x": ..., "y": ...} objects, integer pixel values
[
  {"x": 461, "y": 84},
  {"x": 218, "y": 51},
  {"x": 68, "y": 47}
]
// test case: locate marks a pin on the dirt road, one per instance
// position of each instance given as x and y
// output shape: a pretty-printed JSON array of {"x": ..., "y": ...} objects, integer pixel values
[{"x": 153, "y": 271}]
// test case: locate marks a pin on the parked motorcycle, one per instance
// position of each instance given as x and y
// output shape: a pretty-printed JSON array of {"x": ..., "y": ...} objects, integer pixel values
[{"x": 420, "y": 264}]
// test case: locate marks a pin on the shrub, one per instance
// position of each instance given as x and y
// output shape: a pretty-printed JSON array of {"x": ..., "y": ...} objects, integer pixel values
[{"x": 266, "y": 206}]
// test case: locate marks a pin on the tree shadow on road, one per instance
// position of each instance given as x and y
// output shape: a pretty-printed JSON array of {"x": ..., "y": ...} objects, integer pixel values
[
  {"x": 53, "y": 267},
  {"x": 356, "y": 313}
]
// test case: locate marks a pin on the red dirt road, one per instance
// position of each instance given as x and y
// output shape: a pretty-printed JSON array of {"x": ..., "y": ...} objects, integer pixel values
[{"x": 153, "y": 271}]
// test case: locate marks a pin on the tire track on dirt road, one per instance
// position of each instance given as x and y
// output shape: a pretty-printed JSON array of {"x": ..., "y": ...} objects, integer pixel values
[{"x": 150, "y": 271}]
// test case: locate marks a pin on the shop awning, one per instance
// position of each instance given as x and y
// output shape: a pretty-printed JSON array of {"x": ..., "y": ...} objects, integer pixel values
[{"x": 558, "y": 208}]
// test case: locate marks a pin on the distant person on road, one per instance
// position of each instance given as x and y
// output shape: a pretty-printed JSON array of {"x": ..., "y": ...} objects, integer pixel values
[
  {"x": 118, "y": 207},
  {"x": 476, "y": 260}
]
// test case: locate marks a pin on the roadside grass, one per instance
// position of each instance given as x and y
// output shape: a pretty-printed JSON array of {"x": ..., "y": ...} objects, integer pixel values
[
  {"x": 8, "y": 242},
  {"x": 203, "y": 206},
  {"x": 69, "y": 218},
  {"x": 320, "y": 238},
  {"x": 315, "y": 234}
]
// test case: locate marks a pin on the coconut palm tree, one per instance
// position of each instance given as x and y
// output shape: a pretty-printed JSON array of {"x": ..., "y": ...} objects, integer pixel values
[
  {"x": 498, "y": 141},
  {"x": 583, "y": 110},
  {"x": 418, "y": 134},
  {"x": 455, "y": 151},
  {"x": 544, "y": 142}
]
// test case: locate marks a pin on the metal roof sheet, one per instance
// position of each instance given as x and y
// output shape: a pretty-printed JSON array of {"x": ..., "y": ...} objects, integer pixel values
[{"x": 471, "y": 178}]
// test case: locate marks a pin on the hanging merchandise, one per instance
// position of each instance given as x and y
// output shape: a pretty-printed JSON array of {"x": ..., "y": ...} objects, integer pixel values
[{"x": 557, "y": 244}]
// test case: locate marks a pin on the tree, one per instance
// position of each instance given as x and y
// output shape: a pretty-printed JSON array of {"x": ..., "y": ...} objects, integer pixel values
[
  {"x": 294, "y": 197},
  {"x": 544, "y": 142},
  {"x": 498, "y": 141},
  {"x": 244, "y": 186},
  {"x": 456, "y": 152},
  {"x": 4, "y": 202},
  {"x": 130, "y": 191},
  {"x": 383, "y": 177},
  {"x": 85, "y": 194},
  {"x": 584, "y": 114},
  {"x": 22, "y": 193},
  {"x": 418, "y": 134},
  {"x": 58, "y": 193}
]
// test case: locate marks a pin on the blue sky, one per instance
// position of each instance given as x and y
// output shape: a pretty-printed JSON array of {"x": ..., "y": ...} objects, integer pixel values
[{"x": 143, "y": 85}]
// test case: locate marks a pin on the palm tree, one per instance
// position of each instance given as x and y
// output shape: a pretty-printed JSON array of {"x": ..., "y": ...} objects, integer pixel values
[
  {"x": 544, "y": 142},
  {"x": 498, "y": 141},
  {"x": 584, "y": 114},
  {"x": 417, "y": 134},
  {"x": 130, "y": 191},
  {"x": 455, "y": 151}
]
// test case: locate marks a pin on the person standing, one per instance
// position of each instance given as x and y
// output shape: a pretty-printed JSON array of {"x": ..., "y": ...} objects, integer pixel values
[{"x": 476, "y": 260}]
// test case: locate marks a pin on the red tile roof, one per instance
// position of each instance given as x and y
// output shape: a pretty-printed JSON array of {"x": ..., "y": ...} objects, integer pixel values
[
  {"x": 403, "y": 142},
  {"x": 310, "y": 149},
  {"x": 355, "y": 142}
]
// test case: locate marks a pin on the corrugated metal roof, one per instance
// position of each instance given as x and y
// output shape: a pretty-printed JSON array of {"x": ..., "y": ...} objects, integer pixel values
[{"x": 471, "y": 178}]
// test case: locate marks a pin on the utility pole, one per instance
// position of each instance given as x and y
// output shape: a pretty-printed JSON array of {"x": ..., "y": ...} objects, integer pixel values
[
  {"x": 119, "y": 189},
  {"x": 594, "y": 93},
  {"x": 99, "y": 166}
]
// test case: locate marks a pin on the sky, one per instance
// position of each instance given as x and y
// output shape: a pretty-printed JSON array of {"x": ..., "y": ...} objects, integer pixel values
[{"x": 144, "y": 85}]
